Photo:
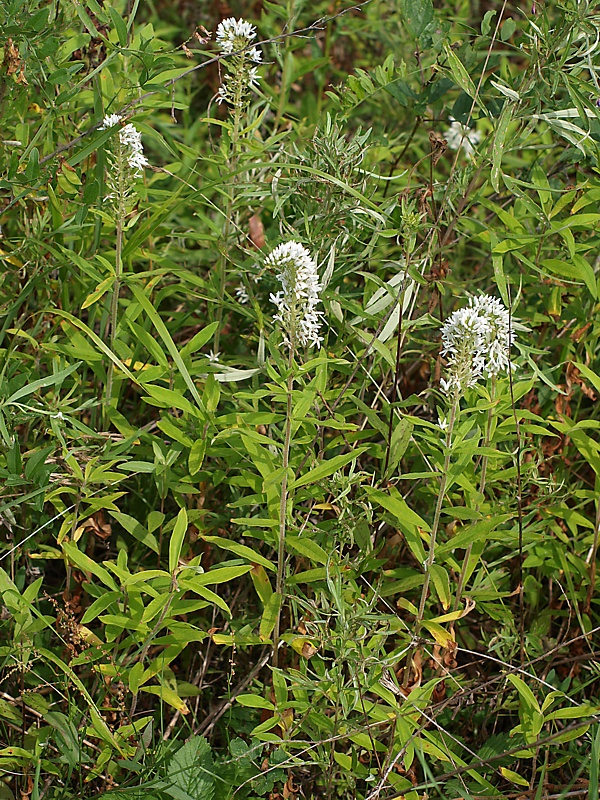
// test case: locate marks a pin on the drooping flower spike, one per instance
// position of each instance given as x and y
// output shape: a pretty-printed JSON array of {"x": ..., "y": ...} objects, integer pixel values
[
  {"x": 234, "y": 37},
  {"x": 476, "y": 339},
  {"x": 126, "y": 158},
  {"x": 299, "y": 296}
]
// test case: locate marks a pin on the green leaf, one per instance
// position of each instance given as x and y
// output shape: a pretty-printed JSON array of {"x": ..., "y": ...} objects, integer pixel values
[
  {"x": 168, "y": 696},
  {"x": 120, "y": 26},
  {"x": 98, "y": 292},
  {"x": 269, "y": 616},
  {"x": 401, "y": 437},
  {"x": 86, "y": 564},
  {"x": 196, "y": 456},
  {"x": 513, "y": 777},
  {"x": 459, "y": 72},
  {"x": 306, "y": 547},
  {"x": 164, "y": 334},
  {"x": 498, "y": 146},
  {"x": 136, "y": 529},
  {"x": 193, "y": 585},
  {"x": 398, "y": 507},
  {"x": 416, "y": 15},
  {"x": 254, "y": 701},
  {"x": 441, "y": 581},
  {"x": 51, "y": 380},
  {"x": 576, "y": 270},
  {"x": 327, "y": 468},
  {"x": 220, "y": 575},
  {"x": 176, "y": 541},
  {"x": 190, "y": 771},
  {"x": 591, "y": 376},
  {"x": 240, "y": 550}
]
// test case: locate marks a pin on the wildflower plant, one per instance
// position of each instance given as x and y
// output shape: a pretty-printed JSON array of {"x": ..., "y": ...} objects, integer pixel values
[
  {"x": 126, "y": 162},
  {"x": 477, "y": 341}
]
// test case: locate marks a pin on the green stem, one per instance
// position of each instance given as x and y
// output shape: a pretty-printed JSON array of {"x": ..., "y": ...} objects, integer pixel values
[
  {"x": 283, "y": 506},
  {"x": 114, "y": 308},
  {"x": 484, "y": 463},
  {"x": 438, "y": 513},
  {"x": 222, "y": 265}
]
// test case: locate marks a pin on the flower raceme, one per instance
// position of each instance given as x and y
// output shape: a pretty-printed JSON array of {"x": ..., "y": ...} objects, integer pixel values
[
  {"x": 130, "y": 141},
  {"x": 299, "y": 296},
  {"x": 234, "y": 37},
  {"x": 477, "y": 341}
]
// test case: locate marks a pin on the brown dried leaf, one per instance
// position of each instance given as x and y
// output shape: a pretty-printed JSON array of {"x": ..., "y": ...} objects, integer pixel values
[{"x": 256, "y": 231}]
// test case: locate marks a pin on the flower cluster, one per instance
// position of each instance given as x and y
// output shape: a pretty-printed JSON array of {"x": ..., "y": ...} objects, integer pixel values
[
  {"x": 460, "y": 136},
  {"x": 126, "y": 158},
  {"x": 477, "y": 341},
  {"x": 234, "y": 37},
  {"x": 297, "y": 302},
  {"x": 130, "y": 148}
]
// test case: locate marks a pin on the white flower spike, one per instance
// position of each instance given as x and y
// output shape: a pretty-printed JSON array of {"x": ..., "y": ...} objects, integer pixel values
[
  {"x": 234, "y": 37},
  {"x": 477, "y": 341},
  {"x": 297, "y": 302}
]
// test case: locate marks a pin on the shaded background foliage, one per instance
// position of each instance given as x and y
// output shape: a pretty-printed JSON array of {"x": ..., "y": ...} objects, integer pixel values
[{"x": 140, "y": 535}]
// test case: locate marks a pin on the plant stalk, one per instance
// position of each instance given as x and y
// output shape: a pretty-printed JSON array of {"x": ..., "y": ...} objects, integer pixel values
[
  {"x": 283, "y": 506},
  {"x": 438, "y": 513}
]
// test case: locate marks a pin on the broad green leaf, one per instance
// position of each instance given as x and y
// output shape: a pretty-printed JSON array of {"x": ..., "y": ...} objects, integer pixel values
[
  {"x": 191, "y": 771},
  {"x": 416, "y": 15},
  {"x": 307, "y": 547},
  {"x": 254, "y": 701}
]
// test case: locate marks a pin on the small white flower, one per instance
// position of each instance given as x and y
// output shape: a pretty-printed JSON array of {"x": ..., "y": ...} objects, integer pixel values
[
  {"x": 109, "y": 121},
  {"x": 242, "y": 295},
  {"x": 234, "y": 34},
  {"x": 214, "y": 357},
  {"x": 297, "y": 302},
  {"x": 234, "y": 37},
  {"x": 131, "y": 139},
  {"x": 460, "y": 136}
]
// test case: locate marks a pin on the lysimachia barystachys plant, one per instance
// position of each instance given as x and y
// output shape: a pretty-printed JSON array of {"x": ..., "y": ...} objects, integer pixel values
[
  {"x": 476, "y": 340},
  {"x": 126, "y": 162},
  {"x": 297, "y": 314}
]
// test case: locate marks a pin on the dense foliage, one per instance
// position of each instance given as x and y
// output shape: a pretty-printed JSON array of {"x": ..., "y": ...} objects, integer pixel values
[{"x": 279, "y": 518}]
